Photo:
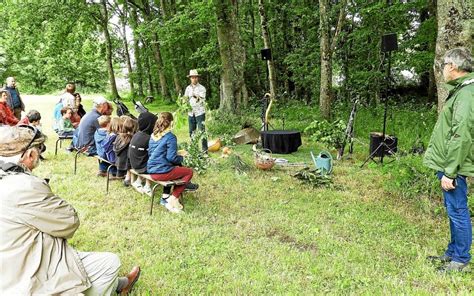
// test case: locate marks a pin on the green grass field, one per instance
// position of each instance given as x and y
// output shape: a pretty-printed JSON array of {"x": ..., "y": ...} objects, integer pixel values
[{"x": 260, "y": 233}]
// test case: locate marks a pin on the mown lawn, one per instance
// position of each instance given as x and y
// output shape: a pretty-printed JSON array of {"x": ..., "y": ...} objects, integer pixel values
[{"x": 260, "y": 233}]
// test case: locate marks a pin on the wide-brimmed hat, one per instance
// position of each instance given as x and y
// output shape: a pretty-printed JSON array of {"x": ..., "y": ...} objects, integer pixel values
[
  {"x": 193, "y": 72},
  {"x": 15, "y": 140}
]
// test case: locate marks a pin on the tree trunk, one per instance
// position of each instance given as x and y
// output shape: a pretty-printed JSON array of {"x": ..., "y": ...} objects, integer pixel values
[
  {"x": 327, "y": 48},
  {"x": 125, "y": 44},
  {"x": 258, "y": 83},
  {"x": 136, "y": 52},
  {"x": 454, "y": 30},
  {"x": 176, "y": 80},
  {"x": 108, "y": 48},
  {"x": 325, "y": 92},
  {"x": 233, "y": 88},
  {"x": 267, "y": 44},
  {"x": 156, "y": 52}
]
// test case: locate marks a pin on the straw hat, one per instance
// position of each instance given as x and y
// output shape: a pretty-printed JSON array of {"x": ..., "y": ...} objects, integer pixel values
[{"x": 193, "y": 72}]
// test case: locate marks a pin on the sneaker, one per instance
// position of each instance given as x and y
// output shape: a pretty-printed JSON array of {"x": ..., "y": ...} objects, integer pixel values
[
  {"x": 452, "y": 266},
  {"x": 191, "y": 187},
  {"x": 126, "y": 183},
  {"x": 102, "y": 174},
  {"x": 138, "y": 186},
  {"x": 443, "y": 258},
  {"x": 173, "y": 209},
  {"x": 147, "y": 190},
  {"x": 173, "y": 202},
  {"x": 163, "y": 201}
]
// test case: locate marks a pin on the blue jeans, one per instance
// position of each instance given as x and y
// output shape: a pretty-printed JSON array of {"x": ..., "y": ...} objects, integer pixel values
[
  {"x": 455, "y": 202},
  {"x": 198, "y": 122}
]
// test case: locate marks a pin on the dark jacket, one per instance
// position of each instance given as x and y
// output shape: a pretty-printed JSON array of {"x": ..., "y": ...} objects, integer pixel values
[
  {"x": 10, "y": 90},
  {"x": 162, "y": 154},
  {"x": 121, "y": 151},
  {"x": 451, "y": 146},
  {"x": 138, "y": 149},
  {"x": 87, "y": 128}
]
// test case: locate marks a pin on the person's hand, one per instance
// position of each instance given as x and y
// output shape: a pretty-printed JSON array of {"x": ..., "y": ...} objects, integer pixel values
[{"x": 447, "y": 183}]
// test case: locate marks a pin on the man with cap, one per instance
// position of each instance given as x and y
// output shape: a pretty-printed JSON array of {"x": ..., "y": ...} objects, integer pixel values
[
  {"x": 14, "y": 100},
  {"x": 84, "y": 134},
  {"x": 196, "y": 94},
  {"x": 35, "y": 225}
]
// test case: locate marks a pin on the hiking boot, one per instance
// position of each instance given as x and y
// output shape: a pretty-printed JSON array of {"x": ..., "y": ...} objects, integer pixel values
[
  {"x": 191, "y": 187},
  {"x": 443, "y": 258},
  {"x": 452, "y": 266}
]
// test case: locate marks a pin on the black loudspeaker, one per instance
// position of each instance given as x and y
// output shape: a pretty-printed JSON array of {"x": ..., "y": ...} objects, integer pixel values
[
  {"x": 389, "y": 42},
  {"x": 266, "y": 54}
]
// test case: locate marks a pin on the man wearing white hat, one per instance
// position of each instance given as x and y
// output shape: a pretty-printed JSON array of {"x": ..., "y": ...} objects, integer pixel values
[
  {"x": 196, "y": 93},
  {"x": 35, "y": 225}
]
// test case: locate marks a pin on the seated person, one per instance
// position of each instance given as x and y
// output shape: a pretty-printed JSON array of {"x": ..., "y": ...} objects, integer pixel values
[
  {"x": 6, "y": 114},
  {"x": 107, "y": 144},
  {"x": 65, "y": 128},
  {"x": 35, "y": 225},
  {"x": 138, "y": 151},
  {"x": 78, "y": 103},
  {"x": 99, "y": 137},
  {"x": 32, "y": 118},
  {"x": 121, "y": 144},
  {"x": 84, "y": 134},
  {"x": 164, "y": 164}
]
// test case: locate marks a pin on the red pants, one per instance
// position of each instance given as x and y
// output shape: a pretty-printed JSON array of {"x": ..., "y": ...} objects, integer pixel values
[{"x": 182, "y": 173}]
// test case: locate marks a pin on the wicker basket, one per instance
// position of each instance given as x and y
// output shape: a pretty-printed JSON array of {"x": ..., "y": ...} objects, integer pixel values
[{"x": 264, "y": 159}]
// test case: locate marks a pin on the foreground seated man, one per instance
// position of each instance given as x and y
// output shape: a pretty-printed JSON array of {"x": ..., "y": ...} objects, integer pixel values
[{"x": 34, "y": 227}]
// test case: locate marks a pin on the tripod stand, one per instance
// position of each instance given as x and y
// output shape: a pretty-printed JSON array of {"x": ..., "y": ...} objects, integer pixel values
[{"x": 389, "y": 43}]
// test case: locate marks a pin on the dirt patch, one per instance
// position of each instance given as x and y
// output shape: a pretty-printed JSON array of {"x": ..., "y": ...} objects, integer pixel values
[{"x": 286, "y": 239}]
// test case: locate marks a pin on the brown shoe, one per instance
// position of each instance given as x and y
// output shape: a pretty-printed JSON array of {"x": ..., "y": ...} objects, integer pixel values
[
  {"x": 101, "y": 174},
  {"x": 132, "y": 279}
]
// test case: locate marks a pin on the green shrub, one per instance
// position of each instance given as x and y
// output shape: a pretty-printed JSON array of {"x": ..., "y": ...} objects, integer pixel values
[{"x": 330, "y": 134}]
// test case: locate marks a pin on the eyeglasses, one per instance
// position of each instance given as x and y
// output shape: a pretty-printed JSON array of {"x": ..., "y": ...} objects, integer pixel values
[{"x": 37, "y": 133}]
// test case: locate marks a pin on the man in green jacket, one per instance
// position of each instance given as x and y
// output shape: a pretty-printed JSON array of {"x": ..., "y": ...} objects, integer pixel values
[{"x": 450, "y": 153}]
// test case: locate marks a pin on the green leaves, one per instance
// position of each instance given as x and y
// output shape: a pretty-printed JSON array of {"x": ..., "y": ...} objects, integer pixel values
[{"x": 330, "y": 134}]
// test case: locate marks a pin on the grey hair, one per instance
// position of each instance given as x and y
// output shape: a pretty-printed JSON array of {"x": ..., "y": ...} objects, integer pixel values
[{"x": 460, "y": 57}]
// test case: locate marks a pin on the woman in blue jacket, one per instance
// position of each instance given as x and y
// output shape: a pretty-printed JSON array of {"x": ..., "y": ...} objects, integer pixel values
[{"x": 164, "y": 163}]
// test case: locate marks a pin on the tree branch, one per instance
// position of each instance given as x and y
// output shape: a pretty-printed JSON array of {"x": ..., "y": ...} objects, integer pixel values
[{"x": 340, "y": 23}]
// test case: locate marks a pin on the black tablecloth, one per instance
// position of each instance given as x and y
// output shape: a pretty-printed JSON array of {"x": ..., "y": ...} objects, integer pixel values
[{"x": 281, "y": 142}]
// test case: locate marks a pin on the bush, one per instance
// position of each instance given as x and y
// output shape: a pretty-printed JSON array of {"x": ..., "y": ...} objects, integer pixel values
[{"x": 330, "y": 134}]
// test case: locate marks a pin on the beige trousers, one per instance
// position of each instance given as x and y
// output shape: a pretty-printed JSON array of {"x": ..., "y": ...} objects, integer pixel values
[{"x": 102, "y": 270}]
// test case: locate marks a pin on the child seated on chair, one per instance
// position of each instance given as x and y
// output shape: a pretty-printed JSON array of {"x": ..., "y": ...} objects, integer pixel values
[
  {"x": 164, "y": 163},
  {"x": 32, "y": 118},
  {"x": 138, "y": 152},
  {"x": 107, "y": 144},
  {"x": 99, "y": 137},
  {"x": 121, "y": 144},
  {"x": 65, "y": 127}
]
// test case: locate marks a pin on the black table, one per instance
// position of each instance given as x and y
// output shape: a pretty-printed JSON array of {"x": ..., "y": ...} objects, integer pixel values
[{"x": 281, "y": 142}]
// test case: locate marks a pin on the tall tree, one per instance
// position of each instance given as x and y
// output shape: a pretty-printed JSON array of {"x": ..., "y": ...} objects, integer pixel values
[
  {"x": 136, "y": 51},
  {"x": 124, "y": 16},
  {"x": 233, "y": 88},
  {"x": 104, "y": 23},
  {"x": 454, "y": 30},
  {"x": 326, "y": 49},
  {"x": 267, "y": 44}
]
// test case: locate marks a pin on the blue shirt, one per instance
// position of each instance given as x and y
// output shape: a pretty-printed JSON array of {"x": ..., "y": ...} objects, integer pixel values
[
  {"x": 15, "y": 97},
  {"x": 87, "y": 128}
]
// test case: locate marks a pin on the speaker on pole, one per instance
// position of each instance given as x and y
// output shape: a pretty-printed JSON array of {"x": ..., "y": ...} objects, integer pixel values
[
  {"x": 266, "y": 54},
  {"x": 389, "y": 42}
]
